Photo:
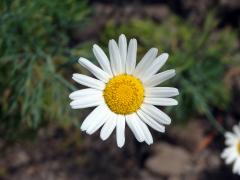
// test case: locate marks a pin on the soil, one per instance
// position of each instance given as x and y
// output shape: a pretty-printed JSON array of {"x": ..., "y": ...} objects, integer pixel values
[{"x": 63, "y": 154}]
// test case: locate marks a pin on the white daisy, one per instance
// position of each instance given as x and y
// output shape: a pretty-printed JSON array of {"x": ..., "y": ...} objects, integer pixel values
[
  {"x": 124, "y": 92},
  {"x": 231, "y": 153}
]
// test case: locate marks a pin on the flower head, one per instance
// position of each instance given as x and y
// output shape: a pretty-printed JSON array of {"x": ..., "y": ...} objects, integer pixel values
[
  {"x": 124, "y": 92},
  {"x": 231, "y": 153}
]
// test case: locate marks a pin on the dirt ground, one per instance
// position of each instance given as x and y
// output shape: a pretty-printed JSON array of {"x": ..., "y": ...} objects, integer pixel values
[{"x": 64, "y": 154}]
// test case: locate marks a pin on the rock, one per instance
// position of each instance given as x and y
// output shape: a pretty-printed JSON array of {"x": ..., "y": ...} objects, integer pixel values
[
  {"x": 144, "y": 174},
  {"x": 233, "y": 4},
  {"x": 169, "y": 160},
  {"x": 188, "y": 136},
  {"x": 18, "y": 158},
  {"x": 206, "y": 160}
]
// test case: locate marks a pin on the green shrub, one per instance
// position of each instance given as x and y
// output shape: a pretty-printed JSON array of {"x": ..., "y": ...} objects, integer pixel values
[
  {"x": 34, "y": 43},
  {"x": 200, "y": 56}
]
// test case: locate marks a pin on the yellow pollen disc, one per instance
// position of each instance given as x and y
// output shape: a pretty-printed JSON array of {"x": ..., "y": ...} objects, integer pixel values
[
  {"x": 124, "y": 94},
  {"x": 238, "y": 147}
]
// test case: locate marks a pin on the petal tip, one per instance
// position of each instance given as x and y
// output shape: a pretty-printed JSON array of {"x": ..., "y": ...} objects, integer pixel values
[
  {"x": 81, "y": 60},
  {"x": 177, "y": 92},
  {"x": 154, "y": 49},
  {"x": 120, "y": 145},
  {"x": 73, "y": 103},
  {"x": 122, "y": 36},
  {"x": 70, "y": 96},
  {"x": 165, "y": 55},
  {"x": 75, "y": 75},
  {"x": 103, "y": 138},
  {"x": 176, "y": 103},
  {"x": 173, "y": 71}
]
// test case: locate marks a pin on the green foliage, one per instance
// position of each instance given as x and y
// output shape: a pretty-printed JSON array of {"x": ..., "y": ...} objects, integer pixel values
[
  {"x": 199, "y": 55},
  {"x": 34, "y": 43}
]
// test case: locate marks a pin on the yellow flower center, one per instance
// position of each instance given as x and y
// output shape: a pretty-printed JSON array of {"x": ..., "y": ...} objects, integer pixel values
[
  {"x": 238, "y": 147},
  {"x": 124, "y": 94}
]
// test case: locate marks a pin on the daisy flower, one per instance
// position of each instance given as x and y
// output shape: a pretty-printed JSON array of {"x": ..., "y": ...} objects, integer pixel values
[
  {"x": 124, "y": 92},
  {"x": 231, "y": 153}
]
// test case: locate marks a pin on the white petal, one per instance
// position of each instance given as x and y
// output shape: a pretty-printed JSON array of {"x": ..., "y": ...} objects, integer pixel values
[
  {"x": 115, "y": 58},
  {"x": 228, "y": 151},
  {"x": 84, "y": 92},
  {"x": 102, "y": 109},
  {"x": 131, "y": 56},
  {"x": 108, "y": 127},
  {"x": 155, "y": 66},
  {"x": 122, "y": 43},
  {"x": 145, "y": 62},
  {"x": 236, "y": 166},
  {"x": 88, "y": 81},
  {"x": 120, "y": 131},
  {"x": 133, "y": 124},
  {"x": 146, "y": 132},
  {"x": 236, "y": 130},
  {"x": 96, "y": 71},
  {"x": 230, "y": 135},
  {"x": 231, "y": 142},
  {"x": 231, "y": 158},
  {"x": 102, "y": 59},
  {"x": 99, "y": 121},
  {"x": 231, "y": 139},
  {"x": 161, "y": 92},
  {"x": 160, "y": 101},
  {"x": 156, "y": 113},
  {"x": 87, "y": 101},
  {"x": 238, "y": 171},
  {"x": 159, "y": 78},
  {"x": 150, "y": 121}
]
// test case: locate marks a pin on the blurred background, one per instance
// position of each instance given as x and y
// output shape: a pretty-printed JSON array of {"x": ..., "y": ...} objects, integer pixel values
[{"x": 40, "y": 43}]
